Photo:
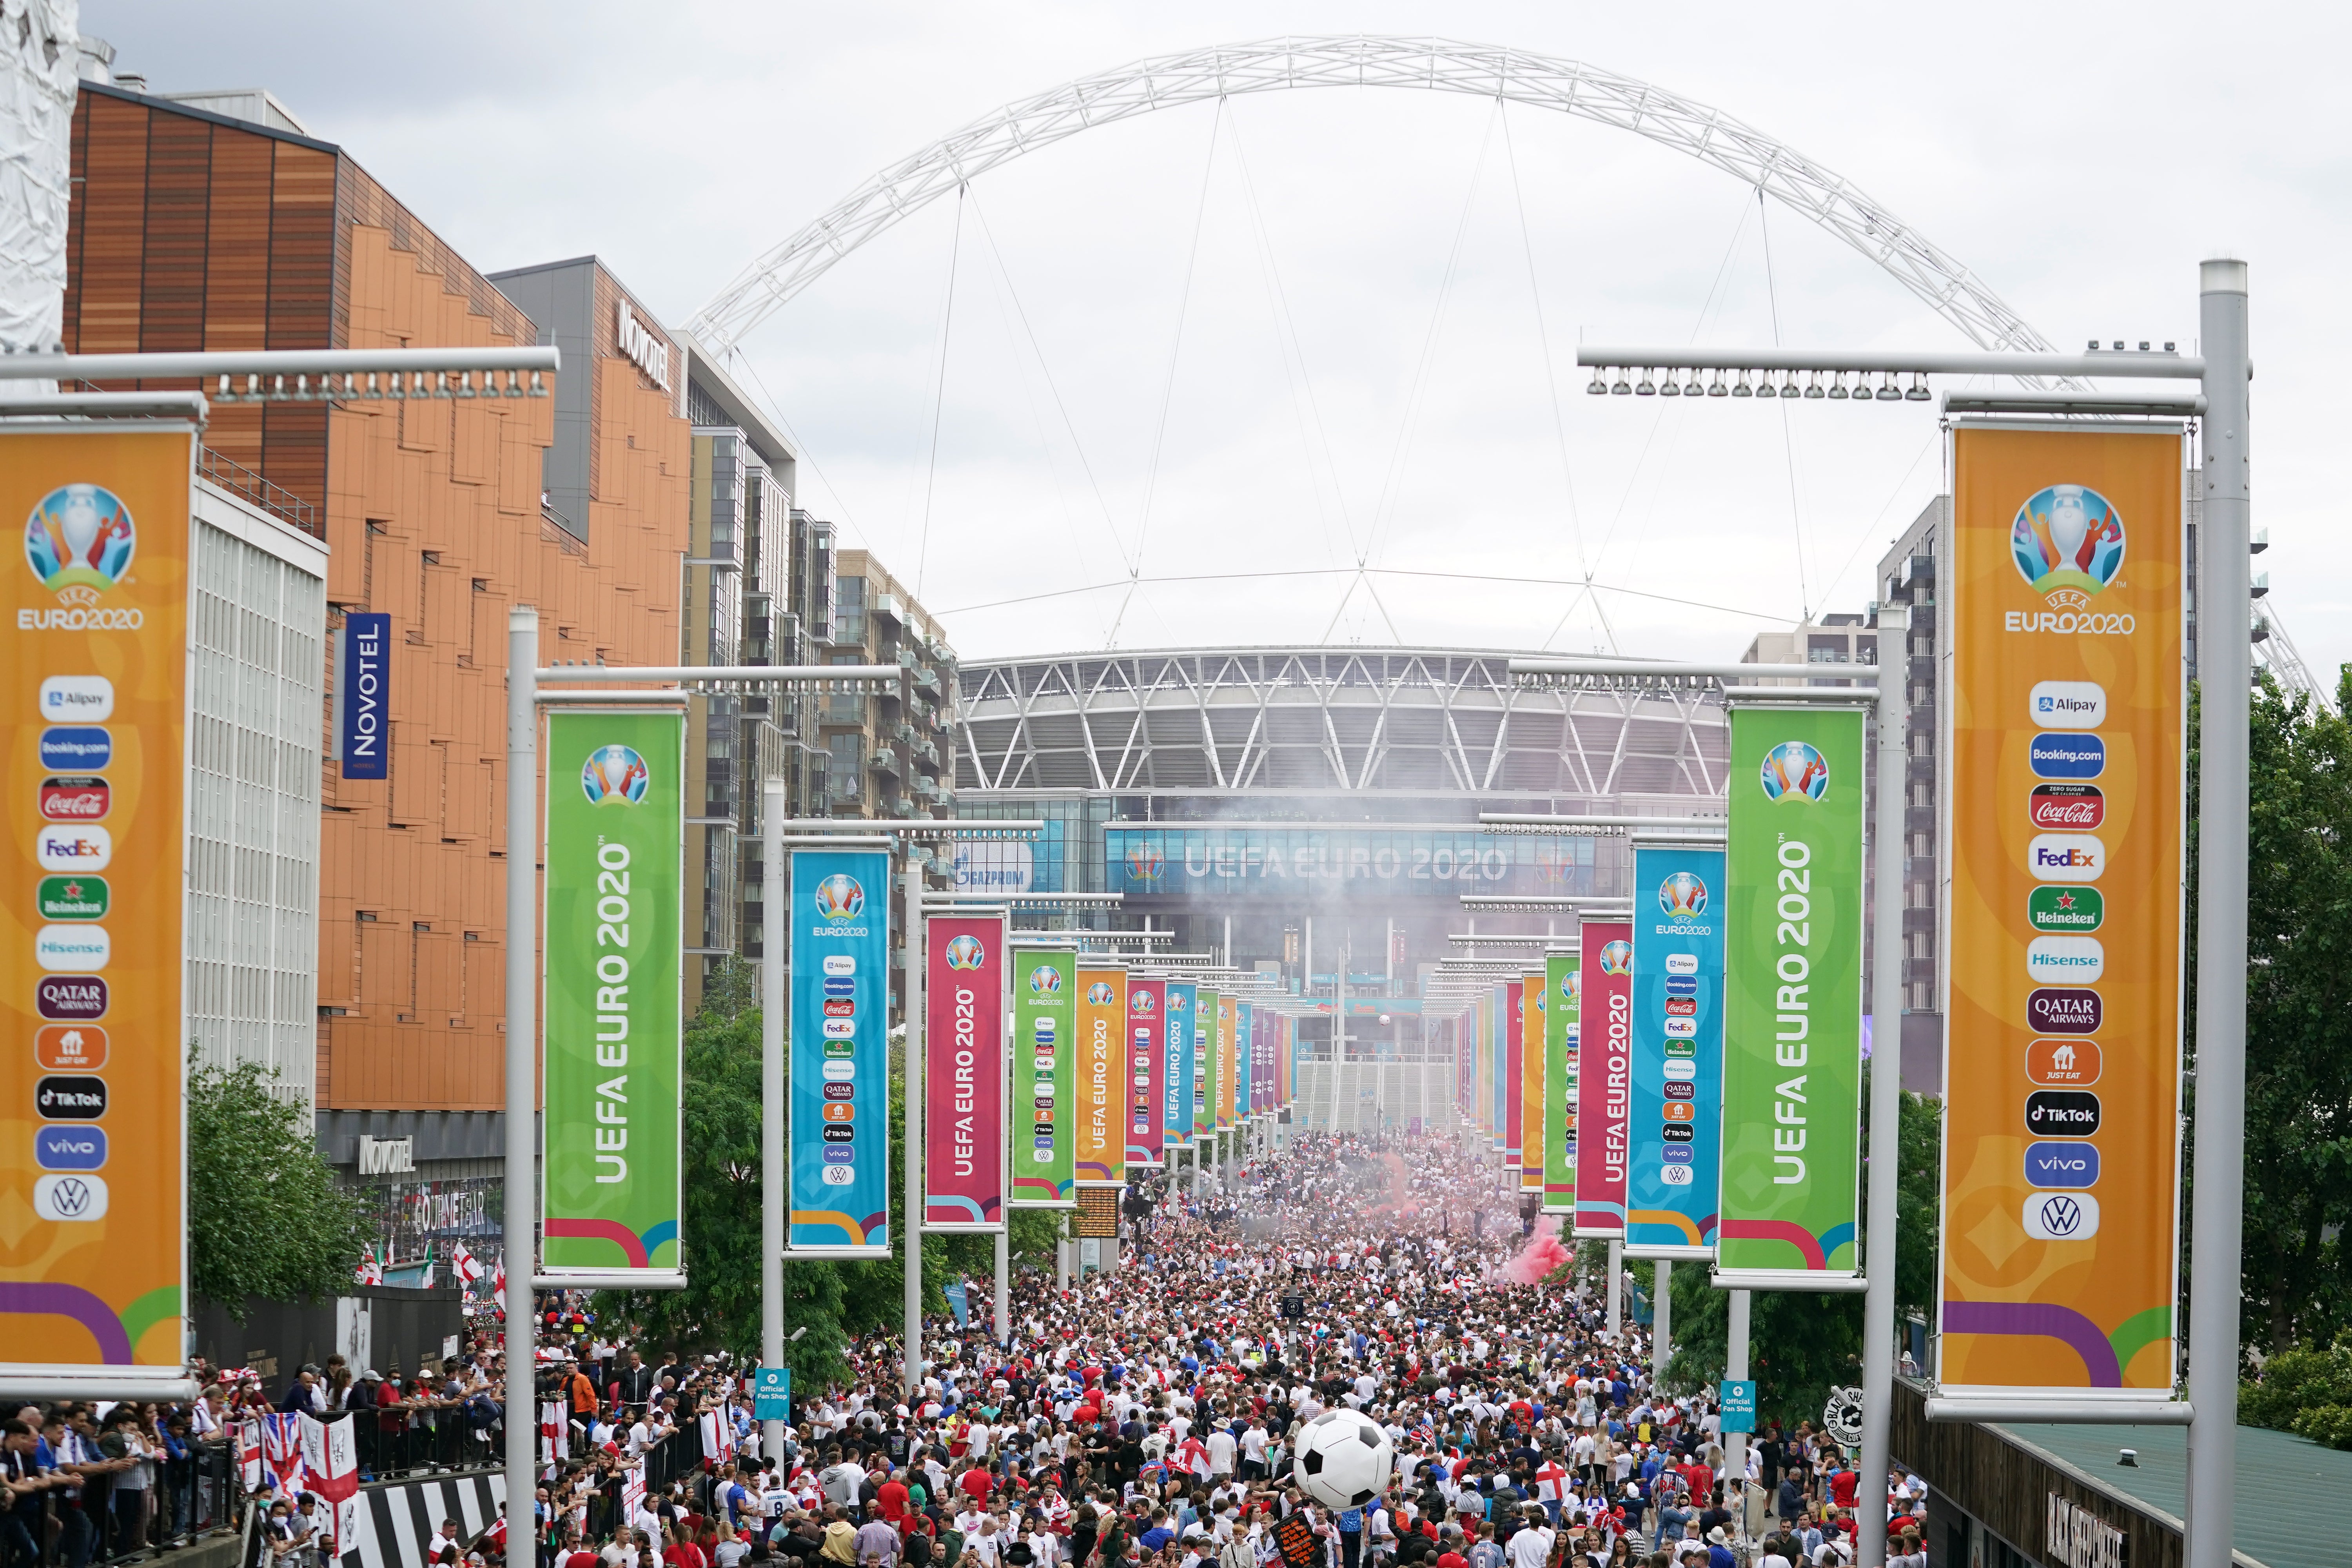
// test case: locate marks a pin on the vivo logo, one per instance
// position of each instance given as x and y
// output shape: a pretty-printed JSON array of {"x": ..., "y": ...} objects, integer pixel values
[{"x": 2061, "y": 1164}]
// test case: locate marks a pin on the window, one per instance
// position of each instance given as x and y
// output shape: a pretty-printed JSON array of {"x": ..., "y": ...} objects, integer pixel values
[{"x": 849, "y": 609}]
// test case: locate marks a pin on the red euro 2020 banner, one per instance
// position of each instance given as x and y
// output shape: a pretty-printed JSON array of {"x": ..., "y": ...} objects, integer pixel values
[
  {"x": 1604, "y": 1045},
  {"x": 964, "y": 1182}
]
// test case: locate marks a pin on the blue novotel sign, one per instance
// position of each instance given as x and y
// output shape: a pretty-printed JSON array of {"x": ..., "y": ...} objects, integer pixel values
[{"x": 363, "y": 696}]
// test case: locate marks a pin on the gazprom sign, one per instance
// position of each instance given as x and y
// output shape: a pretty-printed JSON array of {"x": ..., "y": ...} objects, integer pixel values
[{"x": 363, "y": 696}]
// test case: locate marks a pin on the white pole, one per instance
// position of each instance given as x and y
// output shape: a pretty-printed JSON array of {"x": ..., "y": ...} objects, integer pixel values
[
  {"x": 1661, "y": 1322},
  {"x": 1004, "y": 1285},
  {"x": 773, "y": 1175},
  {"x": 521, "y": 1224},
  {"x": 913, "y": 991},
  {"x": 1735, "y": 1444},
  {"x": 1616, "y": 1286},
  {"x": 2224, "y": 668},
  {"x": 1887, "y": 844}
]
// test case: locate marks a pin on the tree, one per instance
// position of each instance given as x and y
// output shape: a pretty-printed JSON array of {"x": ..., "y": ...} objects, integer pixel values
[
  {"x": 2295, "y": 1288},
  {"x": 265, "y": 1217}
]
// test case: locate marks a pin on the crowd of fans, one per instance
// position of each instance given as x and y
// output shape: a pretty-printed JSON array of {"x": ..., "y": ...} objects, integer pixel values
[{"x": 1144, "y": 1416}]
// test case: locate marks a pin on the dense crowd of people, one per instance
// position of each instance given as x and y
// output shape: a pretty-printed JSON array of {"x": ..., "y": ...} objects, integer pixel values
[{"x": 1149, "y": 1414}]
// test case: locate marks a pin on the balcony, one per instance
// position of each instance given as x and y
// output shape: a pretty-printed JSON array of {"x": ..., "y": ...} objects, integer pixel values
[{"x": 884, "y": 761}]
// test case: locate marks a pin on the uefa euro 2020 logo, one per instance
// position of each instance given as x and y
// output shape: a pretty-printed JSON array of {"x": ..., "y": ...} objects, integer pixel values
[
  {"x": 1175, "y": 1001},
  {"x": 1044, "y": 981},
  {"x": 614, "y": 776},
  {"x": 1795, "y": 771},
  {"x": 839, "y": 898},
  {"x": 79, "y": 542},
  {"x": 1682, "y": 896},
  {"x": 1145, "y": 863},
  {"x": 1140, "y": 1003},
  {"x": 1099, "y": 993},
  {"x": 966, "y": 952},
  {"x": 2068, "y": 543},
  {"x": 1572, "y": 988},
  {"x": 1617, "y": 958}
]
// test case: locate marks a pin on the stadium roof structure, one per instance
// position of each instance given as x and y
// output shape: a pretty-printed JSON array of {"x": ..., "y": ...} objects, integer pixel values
[{"x": 1398, "y": 721}]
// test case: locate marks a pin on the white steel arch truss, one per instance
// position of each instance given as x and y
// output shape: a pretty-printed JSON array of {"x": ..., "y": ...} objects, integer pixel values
[
  {"x": 1318, "y": 720},
  {"x": 1432, "y": 65}
]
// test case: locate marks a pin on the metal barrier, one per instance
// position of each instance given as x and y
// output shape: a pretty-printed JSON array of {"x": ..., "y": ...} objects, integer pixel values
[{"x": 438, "y": 1439}]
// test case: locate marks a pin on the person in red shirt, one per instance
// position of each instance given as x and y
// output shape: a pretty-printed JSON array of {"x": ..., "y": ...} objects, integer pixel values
[
  {"x": 974, "y": 1483},
  {"x": 890, "y": 1499},
  {"x": 683, "y": 1554},
  {"x": 1842, "y": 1483}
]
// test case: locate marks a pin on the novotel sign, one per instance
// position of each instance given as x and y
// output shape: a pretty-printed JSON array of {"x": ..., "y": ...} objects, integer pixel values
[
  {"x": 639, "y": 347},
  {"x": 363, "y": 696}
]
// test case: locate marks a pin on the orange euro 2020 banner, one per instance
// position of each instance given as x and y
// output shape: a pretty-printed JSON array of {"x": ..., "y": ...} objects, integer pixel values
[
  {"x": 93, "y": 1260},
  {"x": 2061, "y": 1179},
  {"x": 1101, "y": 1137}
]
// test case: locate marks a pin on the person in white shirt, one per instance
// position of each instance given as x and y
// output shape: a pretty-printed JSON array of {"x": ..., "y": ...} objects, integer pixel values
[
  {"x": 1221, "y": 1447},
  {"x": 1531, "y": 1546}
]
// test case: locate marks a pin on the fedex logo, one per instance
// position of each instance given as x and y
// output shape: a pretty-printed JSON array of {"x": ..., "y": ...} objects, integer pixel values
[{"x": 2066, "y": 858}]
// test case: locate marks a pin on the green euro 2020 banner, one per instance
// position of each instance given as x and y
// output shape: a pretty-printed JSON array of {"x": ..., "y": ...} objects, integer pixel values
[
  {"x": 614, "y": 880},
  {"x": 1564, "y": 1001},
  {"x": 1792, "y": 1039},
  {"x": 1044, "y": 1056}
]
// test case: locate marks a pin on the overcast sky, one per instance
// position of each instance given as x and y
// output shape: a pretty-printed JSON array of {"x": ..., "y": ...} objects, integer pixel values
[{"x": 1306, "y": 331}]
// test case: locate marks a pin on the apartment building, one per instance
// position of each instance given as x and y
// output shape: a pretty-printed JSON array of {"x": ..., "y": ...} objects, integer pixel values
[{"x": 197, "y": 230}]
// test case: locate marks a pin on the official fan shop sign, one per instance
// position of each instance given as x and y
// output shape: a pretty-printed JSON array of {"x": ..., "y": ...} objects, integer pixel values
[
  {"x": 1045, "y": 1058},
  {"x": 964, "y": 1138},
  {"x": 1792, "y": 1051},
  {"x": 1671, "y": 1179},
  {"x": 93, "y": 667},
  {"x": 2061, "y": 1175},
  {"x": 1604, "y": 1080},
  {"x": 612, "y": 1178},
  {"x": 840, "y": 1053}
]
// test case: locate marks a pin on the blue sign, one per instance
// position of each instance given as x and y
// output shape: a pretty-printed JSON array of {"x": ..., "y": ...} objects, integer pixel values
[
  {"x": 1671, "y": 1205},
  {"x": 363, "y": 696},
  {"x": 840, "y": 1102},
  {"x": 1181, "y": 1016},
  {"x": 772, "y": 1393},
  {"x": 76, "y": 748},
  {"x": 1739, "y": 1405},
  {"x": 960, "y": 1303}
]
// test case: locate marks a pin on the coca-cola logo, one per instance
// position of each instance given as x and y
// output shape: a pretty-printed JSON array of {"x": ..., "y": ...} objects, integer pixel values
[{"x": 2061, "y": 808}]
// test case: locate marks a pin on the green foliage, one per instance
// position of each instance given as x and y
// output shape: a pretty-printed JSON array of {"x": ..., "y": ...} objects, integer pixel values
[
  {"x": 2307, "y": 1392},
  {"x": 265, "y": 1217},
  {"x": 2294, "y": 1285}
]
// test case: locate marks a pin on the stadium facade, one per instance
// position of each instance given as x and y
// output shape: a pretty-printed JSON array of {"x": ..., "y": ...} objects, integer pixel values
[{"x": 1314, "y": 811}]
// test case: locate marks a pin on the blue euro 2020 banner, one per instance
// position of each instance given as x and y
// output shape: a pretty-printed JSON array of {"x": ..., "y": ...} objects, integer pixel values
[
  {"x": 840, "y": 1053},
  {"x": 1675, "y": 1166}
]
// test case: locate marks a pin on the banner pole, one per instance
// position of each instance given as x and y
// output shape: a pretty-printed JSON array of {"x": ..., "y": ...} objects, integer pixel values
[
  {"x": 1005, "y": 1283},
  {"x": 2224, "y": 668},
  {"x": 773, "y": 981},
  {"x": 913, "y": 992},
  {"x": 1616, "y": 1288},
  {"x": 522, "y": 1219},
  {"x": 1735, "y": 1444},
  {"x": 1662, "y": 1320},
  {"x": 1885, "y": 1088}
]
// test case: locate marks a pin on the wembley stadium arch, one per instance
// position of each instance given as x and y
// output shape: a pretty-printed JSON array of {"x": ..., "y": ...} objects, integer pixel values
[
  {"x": 1313, "y": 812},
  {"x": 1314, "y": 809}
]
